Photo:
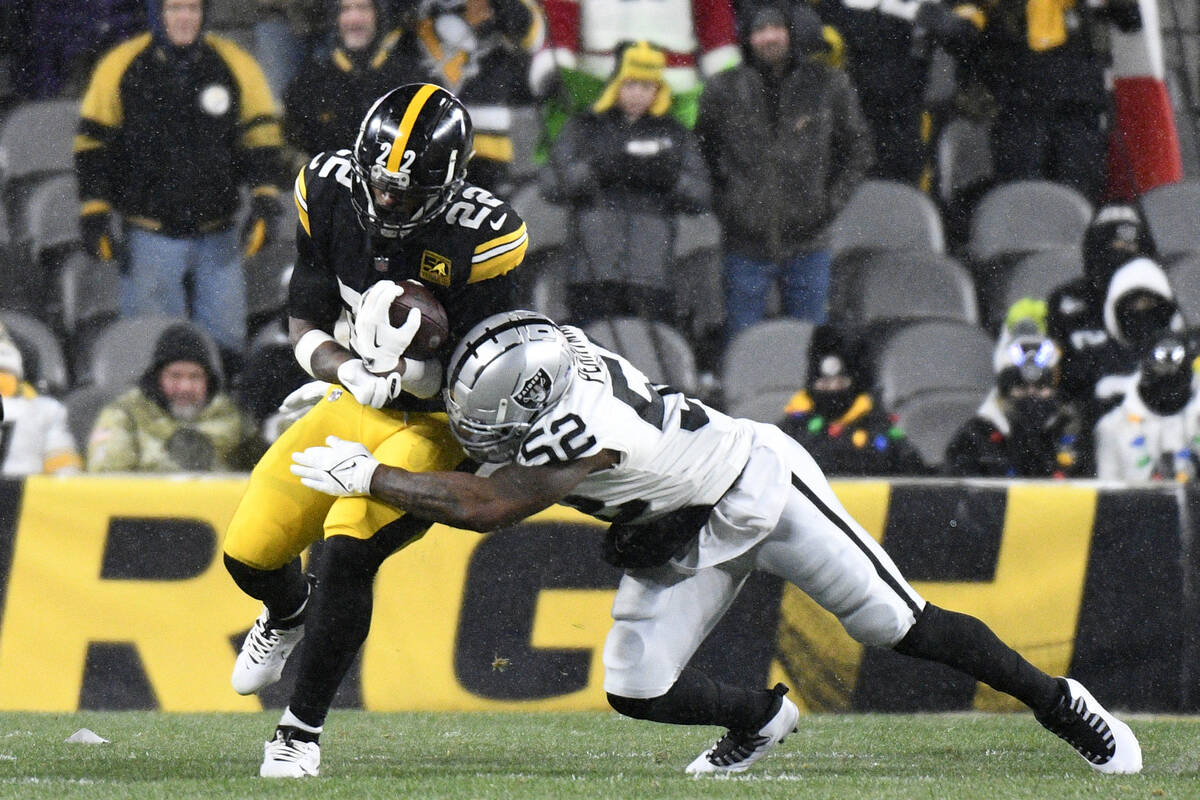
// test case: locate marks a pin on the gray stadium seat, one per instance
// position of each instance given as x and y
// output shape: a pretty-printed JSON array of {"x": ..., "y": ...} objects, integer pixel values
[
  {"x": 888, "y": 215},
  {"x": 526, "y": 131},
  {"x": 654, "y": 347},
  {"x": 964, "y": 157},
  {"x": 36, "y": 139},
  {"x": 39, "y": 345},
  {"x": 932, "y": 418},
  {"x": 548, "y": 295},
  {"x": 1035, "y": 275},
  {"x": 935, "y": 354},
  {"x": 89, "y": 290},
  {"x": 548, "y": 223},
  {"x": 696, "y": 233},
  {"x": 765, "y": 406},
  {"x": 126, "y": 347},
  {"x": 772, "y": 354},
  {"x": 83, "y": 405},
  {"x": 51, "y": 216},
  {"x": 1184, "y": 275},
  {"x": 1023, "y": 216},
  {"x": 1172, "y": 212},
  {"x": 900, "y": 287},
  {"x": 267, "y": 274}
]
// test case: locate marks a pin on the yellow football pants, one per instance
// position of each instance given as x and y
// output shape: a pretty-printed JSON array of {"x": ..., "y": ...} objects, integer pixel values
[{"x": 278, "y": 517}]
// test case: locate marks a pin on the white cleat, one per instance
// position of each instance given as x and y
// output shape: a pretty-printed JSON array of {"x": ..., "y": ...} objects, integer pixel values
[
  {"x": 1106, "y": 743},
  {"x": 737, "y": 750},
  {"x": 264, "y": 652},
  {"x": 285, "y": 757}
]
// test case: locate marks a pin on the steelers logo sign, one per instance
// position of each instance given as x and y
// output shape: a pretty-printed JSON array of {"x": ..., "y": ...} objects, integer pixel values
[{"x": 215, "y": 100}]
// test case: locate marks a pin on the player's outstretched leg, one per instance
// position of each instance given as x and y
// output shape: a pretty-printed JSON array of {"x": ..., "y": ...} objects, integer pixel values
[
  {"x": 1106, "y": 743},
  {"x": 278, "y": 629},
  {"x": 738, "y": 749}
]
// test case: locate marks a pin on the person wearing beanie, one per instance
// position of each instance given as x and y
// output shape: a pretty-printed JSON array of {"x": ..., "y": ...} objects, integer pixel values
[
  {"x": 1116, "y": 235},
  {"x": 174, "y": 125},
  {"x": 366, "y": 54},
  {"x": 1154, "y": 434},
  {"x": 38, "y": 438},
  {"x": 1022, "y": 429},
  {"x": 176, "y": 419},
  {"x": 787, "y": 143},
  {"x": 626, "y": 169}
]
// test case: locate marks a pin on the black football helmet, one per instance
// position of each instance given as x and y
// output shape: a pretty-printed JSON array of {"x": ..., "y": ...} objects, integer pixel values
[{"x": 410, "y": 157}]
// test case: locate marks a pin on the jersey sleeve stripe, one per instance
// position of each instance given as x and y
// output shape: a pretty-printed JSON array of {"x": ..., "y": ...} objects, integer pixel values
[
  {"x": 406, "y": 125},
  {"x": 499, "y": 259},
  {"x": 301, "y": 197},
  {"x": 486, "y": 250}
]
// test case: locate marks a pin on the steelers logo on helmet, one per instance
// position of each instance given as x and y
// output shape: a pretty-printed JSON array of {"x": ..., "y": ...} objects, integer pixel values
[{"x": 410, "y": 158}]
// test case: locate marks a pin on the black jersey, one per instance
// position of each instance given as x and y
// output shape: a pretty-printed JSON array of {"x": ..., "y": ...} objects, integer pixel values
[{"x": 465, "y": 256}]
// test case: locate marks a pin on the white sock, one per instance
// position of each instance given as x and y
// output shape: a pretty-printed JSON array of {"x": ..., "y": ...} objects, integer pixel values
[{"x": 292, "y": 721}]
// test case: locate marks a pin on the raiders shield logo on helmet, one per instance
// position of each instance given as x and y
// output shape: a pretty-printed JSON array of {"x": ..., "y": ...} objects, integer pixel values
[{"x": 535, "y": 392}]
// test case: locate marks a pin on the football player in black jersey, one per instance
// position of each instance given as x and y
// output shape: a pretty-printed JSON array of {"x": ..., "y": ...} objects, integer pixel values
[{"x": 395, "y": 207}]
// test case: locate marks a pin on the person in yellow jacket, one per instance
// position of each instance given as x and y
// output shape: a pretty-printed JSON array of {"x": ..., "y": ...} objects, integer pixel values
[{"x": 174, "y": 123}]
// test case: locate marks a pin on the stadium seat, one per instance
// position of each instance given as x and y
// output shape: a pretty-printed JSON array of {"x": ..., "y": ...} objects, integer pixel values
[
  {"x": 1034, "y": 275},
  {"x": 933, "y": 354},
  {"x": 525, "y": 128},
  {"x": 888, "y": 215},
  {"x": 964, "y": 158},
  {"x": 1184, "y": 275},
  {"x": 769, "y": 355},
  {"x": 548, "y": 293},
  {"x": 931, "y": 419},
  {"x": 36, "y": 140},
  {"x": 902, "y": 287},
  {"x": 696, "y": 233},
  {"x": 51, "y": 217},
  {"x": 657, "y": 349},
  {"x": 548, "y": 223},
  {"x": 267, "y": 274},
  {"x": 125, "y": 349},
  {"x": 89, "y": 290},
  {"x": 1171, "y": 212},
  {"x": 765, "y": 406},
  {"x": 1024, "y": 216},
  {"x": 83, "y": 405},
  {"x": 42, "y": 352}
]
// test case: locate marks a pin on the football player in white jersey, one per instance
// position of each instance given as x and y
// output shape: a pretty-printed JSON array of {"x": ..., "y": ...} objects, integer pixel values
[{"x": 698, "y": 500}]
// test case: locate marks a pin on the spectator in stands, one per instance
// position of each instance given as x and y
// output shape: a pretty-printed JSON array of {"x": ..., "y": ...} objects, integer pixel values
[
  {"x": 888, "y": 54},
  {"x": 1139, "y": 307},
  {"x": 699, "y": 37},
  {"x": 285, "y": 34},
  {"x": 176, "y": 419},
  {"x": 787, "y": 143},
  {"x": 52, "y": 46},
  {"x": 1154, "y": 434},
  {"x": 1023, "y": 429},
  {"x": 1115, "y": 236},
  {"x": 626, "y": 169},
  {"x": 839, "y": 420},
  {"x": 37, "y": 438},
  {"x": 366, "y": 57},
  {"x": 1044, "y": 63},
  {"x": 480, "y": 50},
  {"x": 174, "y": 123}
]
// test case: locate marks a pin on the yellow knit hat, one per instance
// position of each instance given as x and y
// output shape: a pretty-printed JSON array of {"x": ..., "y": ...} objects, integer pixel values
[{"x": 640, "y": 61}]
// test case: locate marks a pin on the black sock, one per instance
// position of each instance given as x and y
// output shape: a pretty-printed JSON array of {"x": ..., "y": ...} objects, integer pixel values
[
  {"x": 697, "y": 699},
  {"x": 967, "y": 644},
  {"x": 283, "y": 591},
  {"x": 299, "y": 734}
]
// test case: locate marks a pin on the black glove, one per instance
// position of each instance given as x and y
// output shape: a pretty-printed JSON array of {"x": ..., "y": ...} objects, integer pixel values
[
  {"x": 258, "y": 229},
  {"x": 98, "y": 229}
]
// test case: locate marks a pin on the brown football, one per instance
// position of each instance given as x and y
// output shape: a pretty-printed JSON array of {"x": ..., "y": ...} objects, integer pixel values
[{"x": 435, "y": 326}]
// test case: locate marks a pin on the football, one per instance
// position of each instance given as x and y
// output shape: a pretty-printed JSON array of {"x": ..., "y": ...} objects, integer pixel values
[{"x": 435, "y": 326}]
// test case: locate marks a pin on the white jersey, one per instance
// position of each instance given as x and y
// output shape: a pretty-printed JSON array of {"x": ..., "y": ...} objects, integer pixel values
[
  {"x": 674, "y": 451},
  {"x": 34, "y": 436}
]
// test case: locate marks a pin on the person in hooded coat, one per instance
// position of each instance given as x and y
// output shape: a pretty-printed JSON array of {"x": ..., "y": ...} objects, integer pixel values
[
  {"x": 839, "y": 420},
  {"x": 1154, "y": 434},
  {"x": 176, "y": 419},
  {"x": 367, "y": 55}
]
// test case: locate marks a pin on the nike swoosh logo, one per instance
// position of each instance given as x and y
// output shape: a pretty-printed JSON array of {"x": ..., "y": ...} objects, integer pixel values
[{"x": 497, "y": 223}]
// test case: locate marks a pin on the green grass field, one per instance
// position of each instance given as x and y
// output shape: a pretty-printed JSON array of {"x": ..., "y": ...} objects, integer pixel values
[{"x": 578, "y": 755}]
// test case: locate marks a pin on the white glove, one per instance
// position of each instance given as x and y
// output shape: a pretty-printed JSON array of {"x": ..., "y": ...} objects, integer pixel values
[
  {"x": 380, "y": 344},
  {"x": 293, "y": 407},
  {"x": 342, "y": 469},
  {"x": 368, "y": 388}
]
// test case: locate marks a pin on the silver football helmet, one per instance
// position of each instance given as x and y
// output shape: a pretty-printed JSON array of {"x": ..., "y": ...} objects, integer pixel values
[{"x": 507, "y": 371}]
